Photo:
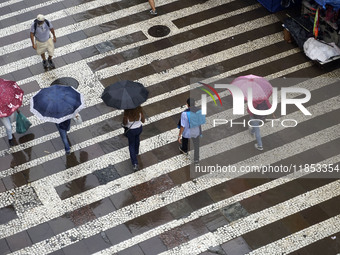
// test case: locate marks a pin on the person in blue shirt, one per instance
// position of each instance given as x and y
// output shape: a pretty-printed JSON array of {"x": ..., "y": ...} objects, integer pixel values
[
  {"x": 41, "y": 39},
  {"x": 186, "y": 133}
]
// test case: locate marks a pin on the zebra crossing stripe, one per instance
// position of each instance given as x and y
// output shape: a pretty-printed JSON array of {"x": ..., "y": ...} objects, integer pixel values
[
  {"x": 209, "y": 60},
  {"x": 73, "y": 47},
  {"x": 192, "y": 187},
  {"x": 209, "y": 209},
  {"x": 9, "y": 3},
  {"x": 312, "y": 84},
  {"x": 54, "y": 207},
  {"x": 12, "y": 14},
  {"x": 257, "y": 220},
  {"x": 103, "y": 19},
  {"x": 199, "y": 42},
  {"x": 302, "y": 238}
]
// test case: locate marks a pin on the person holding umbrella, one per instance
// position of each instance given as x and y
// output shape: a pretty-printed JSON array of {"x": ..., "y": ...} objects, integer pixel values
[
  {"x": 11, "y": 96},
  {"x": 132, "y": 121},
  {"x": 128, "y": 95},
  {"x": 261, "y": 91},
  {"x": 58, "y": 104}
]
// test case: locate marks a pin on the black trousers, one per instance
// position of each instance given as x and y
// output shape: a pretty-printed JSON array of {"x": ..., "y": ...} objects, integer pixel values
[{"x": 196, "y": 142}]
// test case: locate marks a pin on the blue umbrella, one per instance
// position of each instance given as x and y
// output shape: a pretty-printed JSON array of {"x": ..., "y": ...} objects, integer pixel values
[{"x": 56, "y": 103}]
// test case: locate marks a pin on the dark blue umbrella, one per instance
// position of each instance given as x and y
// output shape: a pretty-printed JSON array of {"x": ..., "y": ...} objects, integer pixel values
[
  {"x": 125, "y": 95},
  {"x": 56, "y": 103}
]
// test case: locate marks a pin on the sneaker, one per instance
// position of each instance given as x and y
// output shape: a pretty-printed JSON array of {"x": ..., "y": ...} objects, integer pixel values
[
  {"x": 258, "y": 147},
  {"x": 45, "y": 64},
  {"x": 182, "y": 151},
  {"x": 153, "y": 12},
  {"x": 135, "y": 168},
  {"x": 51, "y": 63}
]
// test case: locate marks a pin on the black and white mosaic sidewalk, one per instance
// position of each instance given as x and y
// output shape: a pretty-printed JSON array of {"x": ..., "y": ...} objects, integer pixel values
[{"x": 91, "y": 202}]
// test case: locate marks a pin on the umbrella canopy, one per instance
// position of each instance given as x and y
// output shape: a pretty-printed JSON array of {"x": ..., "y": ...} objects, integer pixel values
[
  {"x": 11, "y": 96},
  {"x": 56, "y": 103},
  {"x": 125, "y": 95},
  {"x": 261, "y": 88}
]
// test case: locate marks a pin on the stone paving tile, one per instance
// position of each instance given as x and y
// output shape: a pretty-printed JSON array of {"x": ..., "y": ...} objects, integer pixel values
[
  {"x": 4, "y": 249},
  {"x": 40, "y": 232},
  {"x": 61, "y": 224},
  {"x": 174, "y": 237},
  {"x": 18, "y": 241},
  {"x": 97, "y": 243},
  {"x": 237, "y": 246},
  {"x": 79, "y": 248},
  {"x": 118, "y": 234},
  {"x": 134, "y": 250},
  {"x": 7, "y": 214},
  {"x": 180, "y": 209},
  {"x": 153, "y": 246}
]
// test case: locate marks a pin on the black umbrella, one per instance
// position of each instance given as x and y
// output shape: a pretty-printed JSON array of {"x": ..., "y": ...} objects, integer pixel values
[{"x": 125, "y": 95}]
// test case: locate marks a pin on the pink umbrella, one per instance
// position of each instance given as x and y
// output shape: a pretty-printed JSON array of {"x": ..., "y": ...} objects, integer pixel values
[
  {"x": 261, "y": 88},
  {"x": 11, "y": 96}
]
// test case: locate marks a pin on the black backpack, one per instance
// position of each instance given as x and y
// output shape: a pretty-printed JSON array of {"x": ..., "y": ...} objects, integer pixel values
[
  {"x": 261, "y": 106},
  {"x": 36, "y": 24}
]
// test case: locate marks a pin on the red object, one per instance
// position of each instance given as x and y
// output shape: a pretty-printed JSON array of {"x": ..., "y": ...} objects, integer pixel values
[{"x": 11, "y": 96}]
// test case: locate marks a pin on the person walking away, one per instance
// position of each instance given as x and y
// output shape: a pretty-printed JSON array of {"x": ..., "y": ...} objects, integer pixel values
[
  {"x": 186, "y": 132},
  {"x": 153, "y": 7},
  {"x": 7, "y": 122},
  {"x": 63, "y": 127},
  {"x": 257, "y": 121},
  {"x": 41, "y": 39},
  {"x": 132, "y": 121}
]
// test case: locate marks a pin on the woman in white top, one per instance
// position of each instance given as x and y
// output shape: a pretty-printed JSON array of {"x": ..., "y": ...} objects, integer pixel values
[{"x": 132, "y": 120}]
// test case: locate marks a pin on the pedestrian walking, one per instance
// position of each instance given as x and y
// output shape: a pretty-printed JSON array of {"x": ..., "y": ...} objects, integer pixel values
[
  {"x": 41, "y": 39},
  {"x": 7, "y": 122},
  {"x": 11, "y": 96},
  {"x": 63, "y": 127},
  {"x": 257, "y": 121},
  {"x": 187, "y": 130},
  {"x": 132, "y": 121},
  {"x": 153, "y": 7}
]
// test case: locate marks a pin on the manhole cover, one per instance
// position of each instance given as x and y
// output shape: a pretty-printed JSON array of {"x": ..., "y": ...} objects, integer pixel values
[
  {"x": 69, "y": 81},
  {"x": 159, "y": 31}
]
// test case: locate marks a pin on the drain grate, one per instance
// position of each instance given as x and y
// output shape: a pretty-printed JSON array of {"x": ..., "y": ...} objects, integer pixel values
[
  {"x": 159, "y": 31},
  {"x": 69, "y": 81}
]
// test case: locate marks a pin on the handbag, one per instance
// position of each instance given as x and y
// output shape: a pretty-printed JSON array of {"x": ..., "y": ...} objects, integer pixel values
[
  {"x": 77, "y": 119},
  {"x": 22, "y": 123},
  {"x": 126, "y": 129}
]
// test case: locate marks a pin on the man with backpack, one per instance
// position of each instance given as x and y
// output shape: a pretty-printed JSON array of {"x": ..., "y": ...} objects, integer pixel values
[
  {"x": 41, "y": 39},
  {"x": 190, "y": 128}
]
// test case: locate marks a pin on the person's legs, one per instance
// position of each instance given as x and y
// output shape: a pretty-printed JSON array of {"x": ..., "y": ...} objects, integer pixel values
[
  {"x": 50, "y": 50},
  {"x": 256, "y": 130},
  {"x": 41, "y": 49},
  {"x": 137, "y": 139},
  {"x": 131, "y": 135},
  {"x": 8, "y": 126},
  {"x": 196, "y": 142},
  {"x": 152, "y": 5},
  {"x": 63, "y": 135},
  {"x": 184, "y": 147}
]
